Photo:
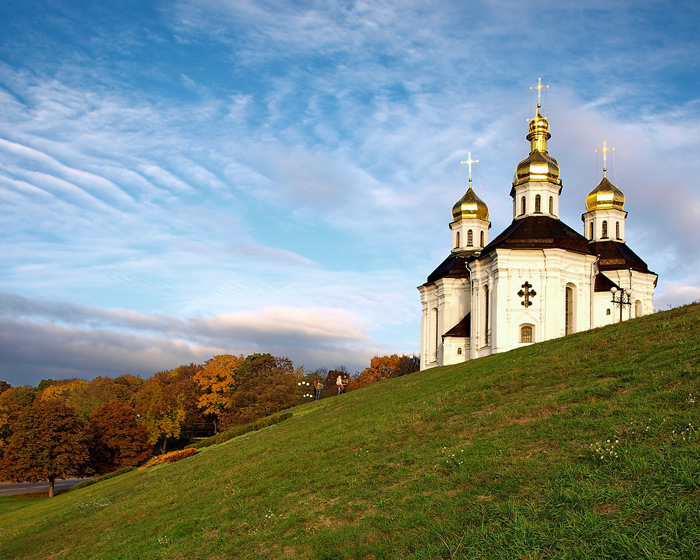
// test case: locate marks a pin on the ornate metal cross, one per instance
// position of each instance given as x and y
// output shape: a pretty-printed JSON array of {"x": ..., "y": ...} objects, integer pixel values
[
  {"x": 469, "y": 162},
  {"x": 605, "y": 149},
  {"x": 539, "y": 87},
  {"x": 526, "y": 293}
]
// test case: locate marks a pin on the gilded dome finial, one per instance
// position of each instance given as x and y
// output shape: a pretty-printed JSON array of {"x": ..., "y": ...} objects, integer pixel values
[
  {"x": 470, "y": 206},
  {"x": 539, "y": 165},
  {"x": 605, "y": 195}
]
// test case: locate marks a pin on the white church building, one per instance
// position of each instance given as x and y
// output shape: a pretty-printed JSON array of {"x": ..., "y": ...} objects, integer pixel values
[{"x": 538, "y": 279}]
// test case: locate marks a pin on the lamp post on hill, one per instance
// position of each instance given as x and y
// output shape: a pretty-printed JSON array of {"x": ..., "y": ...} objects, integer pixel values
[{"x": 625, "y": 298}]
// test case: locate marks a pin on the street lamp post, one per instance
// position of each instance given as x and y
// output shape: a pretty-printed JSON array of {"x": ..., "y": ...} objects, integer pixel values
[{"x": 625, "y": 298}]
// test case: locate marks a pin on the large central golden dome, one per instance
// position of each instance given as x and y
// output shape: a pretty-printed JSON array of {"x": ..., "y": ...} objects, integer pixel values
[
  {"x": 604, "y": 196},
  {"x": 470, "y": 206},
  {"x": 539, "y": 165}
]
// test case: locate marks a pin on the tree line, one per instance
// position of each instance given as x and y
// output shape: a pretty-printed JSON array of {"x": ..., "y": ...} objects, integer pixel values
[{"x": 64, "y": 428}]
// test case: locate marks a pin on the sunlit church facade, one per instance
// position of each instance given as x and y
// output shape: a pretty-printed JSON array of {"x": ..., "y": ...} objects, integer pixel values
[{"x": 538, "y": 279}]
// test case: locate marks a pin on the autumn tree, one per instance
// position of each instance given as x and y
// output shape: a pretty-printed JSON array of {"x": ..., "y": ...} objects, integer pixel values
[
  {"x": 49, "y": 441},
  {"x": 12, "y": 402},
  {"x": 126, "y": 386},
  {"x": 265, "y": 384},
  {"x": 161, "y": 409},
  {"x": 386, "y": 367},
  {"x": 82, "y": 396},
  {"x": 183, "y": 382},
  {"x": 217, "y": 383},
  {"x": 117, "y": 438}
]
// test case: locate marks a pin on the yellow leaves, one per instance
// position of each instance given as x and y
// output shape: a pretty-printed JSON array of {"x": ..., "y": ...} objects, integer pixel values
[{"x": 217, "y": 381}]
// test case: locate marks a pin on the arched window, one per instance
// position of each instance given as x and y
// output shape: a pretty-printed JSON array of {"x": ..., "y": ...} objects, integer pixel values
[
  {"x": 457, "y": 240},
  {"x": 526, "y": 333},
  {"x": 486, "y": 315},
  {"x": 481, "y": 239},
  {"x": 591, "y": 231},
  {"x": 551, "y": 205},
  {"x": 569, "y": 310},
  {"x": 605, "y": 230},
  {"x": 470, "y": 238},
  {"x": 538, "y": 203},
  {"x": 437, "y": 333},
  {"x": 637, "y": 308},
  {"x": 617, "y": 230},
  {"x": 459, "y": 351},
  {"x": 522, "y": 205}
]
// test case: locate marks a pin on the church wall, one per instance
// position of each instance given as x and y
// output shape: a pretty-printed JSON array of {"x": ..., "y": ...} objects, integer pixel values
[
  {"x": 642, "y": 285},
  {"x": 455, "y": 350},
  {"x": 548, "y": 272},
  {"x": 444, "y": 303}
]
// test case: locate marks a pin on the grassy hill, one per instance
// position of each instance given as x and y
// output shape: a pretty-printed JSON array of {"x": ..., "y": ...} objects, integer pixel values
[{"x": 582, "y": 447}]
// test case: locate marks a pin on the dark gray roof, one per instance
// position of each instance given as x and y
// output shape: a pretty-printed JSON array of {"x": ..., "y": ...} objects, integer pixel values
[
  {"x": 462, "y": 329},
  {"x": 539, "y": 232},
  {"x": 615, "y": 255}
]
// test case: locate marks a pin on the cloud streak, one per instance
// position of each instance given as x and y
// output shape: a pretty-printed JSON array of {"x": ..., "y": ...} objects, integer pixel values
[{"x": 208, "y": 176}]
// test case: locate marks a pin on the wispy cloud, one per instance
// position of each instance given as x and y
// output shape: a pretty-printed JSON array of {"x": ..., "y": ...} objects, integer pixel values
[{"x": 278, "y": 176}]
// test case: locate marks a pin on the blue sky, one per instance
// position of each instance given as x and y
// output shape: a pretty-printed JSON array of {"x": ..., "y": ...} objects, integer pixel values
[{"x": 180, "y": 179}]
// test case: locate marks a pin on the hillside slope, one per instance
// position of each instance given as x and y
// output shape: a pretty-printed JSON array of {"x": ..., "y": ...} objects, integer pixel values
[{"x": 582, "y": 447}]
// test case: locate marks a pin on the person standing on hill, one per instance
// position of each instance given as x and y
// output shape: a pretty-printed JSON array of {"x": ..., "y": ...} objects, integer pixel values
[
  {"x": 346, "y": 382},
  {"x": 339, "y": 383},
  {"x": 318, "y": 385}
]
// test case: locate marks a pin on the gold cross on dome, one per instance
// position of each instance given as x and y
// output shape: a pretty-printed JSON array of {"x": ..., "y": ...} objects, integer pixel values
[
  {"x": 605, "y": 149},
  {"x": 539, "y": 87},
  {"x": 469, "y": 162}
]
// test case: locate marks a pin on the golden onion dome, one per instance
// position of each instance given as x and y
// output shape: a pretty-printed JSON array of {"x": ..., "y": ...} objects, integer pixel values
[
  {"x": 604, "y": 196},
  {"x": 469, "y": 207},
  {"x": 539, "y": 165}
]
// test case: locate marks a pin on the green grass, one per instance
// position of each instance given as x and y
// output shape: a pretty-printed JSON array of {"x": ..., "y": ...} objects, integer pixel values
[{"x": 491, "y": 459}]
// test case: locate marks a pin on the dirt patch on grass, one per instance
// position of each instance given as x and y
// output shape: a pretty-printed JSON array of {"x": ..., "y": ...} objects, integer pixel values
[
  {"x": 606, "y": 509},
  {"x": 484, "y": 498}
]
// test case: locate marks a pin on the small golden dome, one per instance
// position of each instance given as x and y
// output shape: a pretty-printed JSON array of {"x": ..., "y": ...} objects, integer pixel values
[
  {"x": 539, "y": 125},
  {"x": 539, "y": 165},
  {"x": 469, "y": 207},
  {"x": 604, "y": 196}
]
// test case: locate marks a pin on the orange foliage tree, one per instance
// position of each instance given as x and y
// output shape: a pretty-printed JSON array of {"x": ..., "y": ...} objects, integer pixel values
[
  {"x": 217, "y": 383},
  {"x": 386, "y": 367},
  {"x": 49, "y": 441}
]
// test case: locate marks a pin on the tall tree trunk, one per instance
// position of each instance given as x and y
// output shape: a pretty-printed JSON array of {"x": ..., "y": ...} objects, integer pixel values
[{"x": 51, "y": 487}]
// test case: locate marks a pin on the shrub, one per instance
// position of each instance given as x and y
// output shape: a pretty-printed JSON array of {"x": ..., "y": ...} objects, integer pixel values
[
  {"x": 240, "y": 430},
  {"x": 171, "y": 457}
]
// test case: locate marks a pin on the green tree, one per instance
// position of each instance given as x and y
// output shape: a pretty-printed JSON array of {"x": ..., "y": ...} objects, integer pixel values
[
  {"x": 49, "y": 441},
  {"x": 117, "y": 438}
]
